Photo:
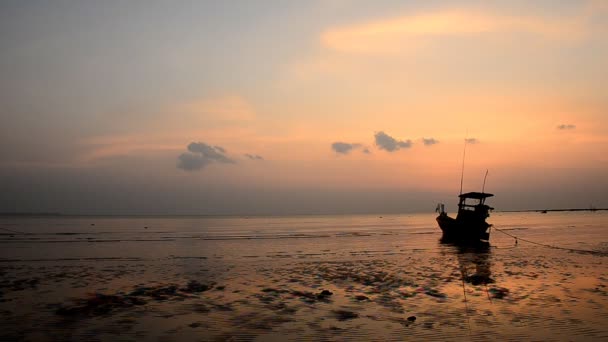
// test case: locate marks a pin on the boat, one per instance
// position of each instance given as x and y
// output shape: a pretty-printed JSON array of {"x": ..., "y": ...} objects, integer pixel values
[{"x": 470, "y": 224}]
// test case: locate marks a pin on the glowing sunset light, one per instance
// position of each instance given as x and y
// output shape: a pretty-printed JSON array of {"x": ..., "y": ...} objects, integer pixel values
[{"x": 321, "y": 99}]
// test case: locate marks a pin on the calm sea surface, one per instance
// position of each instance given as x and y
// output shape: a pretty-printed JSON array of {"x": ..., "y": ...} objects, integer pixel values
[
  {"x": 49, "y": 238},
  {"x": 260, "y": 278}
]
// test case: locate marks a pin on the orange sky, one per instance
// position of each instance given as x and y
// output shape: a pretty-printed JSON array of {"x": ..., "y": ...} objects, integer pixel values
[{"x": 269, "y": 88}]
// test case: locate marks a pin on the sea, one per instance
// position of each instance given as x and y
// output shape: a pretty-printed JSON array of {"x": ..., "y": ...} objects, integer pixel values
[{"x": 302, "y": 278}]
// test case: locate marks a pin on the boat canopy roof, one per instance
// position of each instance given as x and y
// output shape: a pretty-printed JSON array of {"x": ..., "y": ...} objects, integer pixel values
[{"x": 475, "y": 195}]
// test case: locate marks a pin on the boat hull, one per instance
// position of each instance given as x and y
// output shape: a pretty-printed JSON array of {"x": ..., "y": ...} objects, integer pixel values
[{"x": 461, "y": 230}]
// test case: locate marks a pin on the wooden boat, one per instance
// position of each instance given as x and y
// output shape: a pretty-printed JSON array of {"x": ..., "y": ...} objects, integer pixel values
[{"x": 470, "y": 223}]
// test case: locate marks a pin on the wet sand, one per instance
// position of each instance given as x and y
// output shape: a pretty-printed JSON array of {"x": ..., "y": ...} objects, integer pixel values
[{"x": 340, "y": 285}]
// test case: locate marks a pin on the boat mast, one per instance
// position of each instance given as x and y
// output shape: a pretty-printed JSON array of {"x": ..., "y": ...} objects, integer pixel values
[
  {"x": 464, "y": 152},
  {"x": 484, "y": 182}
]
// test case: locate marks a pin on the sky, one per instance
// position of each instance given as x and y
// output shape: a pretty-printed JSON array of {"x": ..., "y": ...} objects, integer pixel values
[{"x": 301, "y": 107}]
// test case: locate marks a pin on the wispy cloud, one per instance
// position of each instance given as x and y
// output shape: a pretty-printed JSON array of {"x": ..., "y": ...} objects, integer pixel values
[
  {"x": 566, "y": 126},
  {"x": 213, "y": 117},
  {"x": 379, "y": 35},
  {"x": 429, "y": 141},
  {"x": 200, "y": 155},
  {"x": 390, "y": 144},
  {"x": 253, "y": 156},
  {"x": 471, "y": 141}
]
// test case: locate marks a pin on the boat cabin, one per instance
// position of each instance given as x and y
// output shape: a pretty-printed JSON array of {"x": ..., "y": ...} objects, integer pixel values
[{"x": 475, "y": 207}]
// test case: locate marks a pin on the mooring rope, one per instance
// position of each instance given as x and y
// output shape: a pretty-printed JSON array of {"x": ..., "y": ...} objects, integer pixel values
[{"x": 587, "y": 251}]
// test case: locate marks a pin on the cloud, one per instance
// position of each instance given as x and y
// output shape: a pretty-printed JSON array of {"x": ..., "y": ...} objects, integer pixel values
[
  {"x": 212, "y": 153},
  {"x": 471, "y": 141},
  {"x": 429, "y": 141},
  {"x": 191, "y": 162},
  {"x": 385, "y": 34},
  {"x": 390, "y": 144},
  {"x": 344, "y": 148},
  {"x": 253, "y": 156},
  {"x": 566, "y": 126},
  {"x": 200, "y": 155},
  {"x": 220, "y": 149}
]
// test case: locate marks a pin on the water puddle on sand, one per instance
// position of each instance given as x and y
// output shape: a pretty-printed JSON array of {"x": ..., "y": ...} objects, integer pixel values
[{"x": 416, "y": 294}]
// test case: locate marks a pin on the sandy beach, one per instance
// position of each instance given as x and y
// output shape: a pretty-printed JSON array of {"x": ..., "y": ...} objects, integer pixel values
[{"x": 322, "y": 278}]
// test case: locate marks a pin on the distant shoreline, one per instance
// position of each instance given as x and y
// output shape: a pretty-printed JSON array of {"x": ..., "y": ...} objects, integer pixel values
[
  {"x": 58, "y": 214},
  {"x": 30, "y": 214},
  {"x": 548, "y": 210}
]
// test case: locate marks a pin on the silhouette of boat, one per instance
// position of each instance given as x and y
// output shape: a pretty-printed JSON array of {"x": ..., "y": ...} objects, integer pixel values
[{"x": 470, "y": 224}]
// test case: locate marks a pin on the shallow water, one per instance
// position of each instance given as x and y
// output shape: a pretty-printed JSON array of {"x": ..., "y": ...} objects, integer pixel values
[{"x": 261, "y": 278}]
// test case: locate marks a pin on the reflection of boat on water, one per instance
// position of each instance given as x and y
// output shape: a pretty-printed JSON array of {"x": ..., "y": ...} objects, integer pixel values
[
  {"x": 470, "y": 224},
  {"x": 474, "y": 262},
  {"x": 475, "y": 265}
]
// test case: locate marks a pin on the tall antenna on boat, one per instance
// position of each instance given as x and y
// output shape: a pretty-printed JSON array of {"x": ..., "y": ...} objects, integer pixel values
[
  {"x": 464, "y": 152},
  {"x": 484, "y": 181}
]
